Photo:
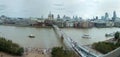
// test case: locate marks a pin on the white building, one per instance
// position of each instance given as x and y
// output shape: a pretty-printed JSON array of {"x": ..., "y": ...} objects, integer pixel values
[
  {"x": 69, "y": 23},
  {"x": 109, "y": 24}
]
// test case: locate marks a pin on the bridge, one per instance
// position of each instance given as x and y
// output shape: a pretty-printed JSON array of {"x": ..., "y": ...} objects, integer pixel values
[
  {"x": 74, "y": 45},
  {"x": 83, "y": 52}
]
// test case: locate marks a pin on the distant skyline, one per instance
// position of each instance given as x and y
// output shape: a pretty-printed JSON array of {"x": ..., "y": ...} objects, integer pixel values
[{"x": 81, "y": 8}]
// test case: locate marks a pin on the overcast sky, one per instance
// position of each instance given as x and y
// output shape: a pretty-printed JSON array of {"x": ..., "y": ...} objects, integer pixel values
[{"x": 36, "y": 8}]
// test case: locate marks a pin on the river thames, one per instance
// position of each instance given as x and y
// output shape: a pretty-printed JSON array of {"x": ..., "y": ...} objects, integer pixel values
[{"x": 46, "y": 37}]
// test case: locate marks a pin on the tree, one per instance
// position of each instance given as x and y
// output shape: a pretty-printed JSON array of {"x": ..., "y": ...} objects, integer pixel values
[
  {"x": 60, "y": 52},
  {"x": 57, "y": 52},
  {"x": 117, "y": 35},
  {"x": 105, "y": 47},
  {"x": 9, "y": 47},
  {"x": 20, "y": 51}
]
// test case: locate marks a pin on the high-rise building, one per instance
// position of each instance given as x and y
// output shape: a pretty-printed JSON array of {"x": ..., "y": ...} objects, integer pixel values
[
  {"x": 73, "y": 17},
  {"x": 114, "y": 16},
  {"x": 42, "y": 17},
  {"x": 76, "y": 17},
  {"x": 58, "y": 16},
  {"x": 50, "y": 16},
  {"x": 96, "y": 17},
  {"x": 102, "y": 17},
  {"x": 106, "y": 16}
]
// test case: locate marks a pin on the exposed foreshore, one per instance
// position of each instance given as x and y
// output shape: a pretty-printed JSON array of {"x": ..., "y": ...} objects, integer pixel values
[
  {"x": 37, "y": 52},
  {"x": 31, "y": 52}
]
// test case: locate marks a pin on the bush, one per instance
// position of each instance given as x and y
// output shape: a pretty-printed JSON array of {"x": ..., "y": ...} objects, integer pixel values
[
  {"x": 9, "y": 47},
  {"x": 105, "y": 47},
  {"x": 60, "y": 52}
]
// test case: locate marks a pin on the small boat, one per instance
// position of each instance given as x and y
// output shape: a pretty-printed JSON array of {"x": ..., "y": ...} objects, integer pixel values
[
  {"x": 109, "y": 34},
  {"x": 86, "y": 36},
  {"x": 31, "y": 36}
]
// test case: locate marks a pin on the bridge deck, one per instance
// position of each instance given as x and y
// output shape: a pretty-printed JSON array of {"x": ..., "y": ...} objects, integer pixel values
[{"x": 82, "y": 51}]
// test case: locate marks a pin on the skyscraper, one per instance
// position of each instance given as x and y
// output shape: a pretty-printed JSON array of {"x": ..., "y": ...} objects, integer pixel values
[
  {"x": 50, "y": 16},
  {"x": 96, "y": 17},
  {"x": 106, "y": 16},
  {"x": 114, "y": 16},
  {"x": 58, "y": 16},
  {"x": 102, "y": 17}
]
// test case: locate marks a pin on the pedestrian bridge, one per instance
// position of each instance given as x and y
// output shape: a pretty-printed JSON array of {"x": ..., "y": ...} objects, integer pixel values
[
  {"x": 74, "y": 45},
  {"x": 83, "y": 52}
]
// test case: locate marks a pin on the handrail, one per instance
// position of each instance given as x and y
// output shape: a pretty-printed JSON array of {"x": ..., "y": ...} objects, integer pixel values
[{"x": 78, "y": 48}]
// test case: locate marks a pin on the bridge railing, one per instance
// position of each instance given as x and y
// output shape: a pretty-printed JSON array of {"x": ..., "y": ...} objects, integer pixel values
[{"x": 73, "y": 45}]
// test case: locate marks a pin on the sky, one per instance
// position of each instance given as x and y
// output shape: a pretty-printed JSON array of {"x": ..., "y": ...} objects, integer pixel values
[{"x": 36, "y": 8}]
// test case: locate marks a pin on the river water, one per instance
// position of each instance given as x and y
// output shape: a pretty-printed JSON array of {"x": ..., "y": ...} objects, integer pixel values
[
  {"x": 96, "y": 34},
  {"x": 46, "y": 37}
]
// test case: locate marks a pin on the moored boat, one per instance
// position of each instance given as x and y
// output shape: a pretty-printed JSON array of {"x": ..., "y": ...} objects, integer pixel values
[
  {"x": 31, "y": 36},
  {"x": 109, "y": 34},
  {"x": 86, "y": 36}
]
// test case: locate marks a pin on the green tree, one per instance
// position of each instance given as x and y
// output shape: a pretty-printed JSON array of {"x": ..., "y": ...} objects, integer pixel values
[
  {"x": 9, "y": 47},
  {"x": 60, "y": 52},
  {"x": 57, "y": 52},
  {"x": 105, "y": 47},
  {"x": 117, "y": 35},
  {"x": 20, "y": 51}
]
